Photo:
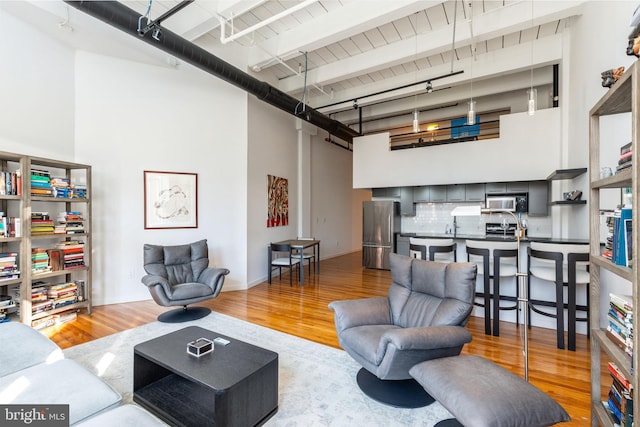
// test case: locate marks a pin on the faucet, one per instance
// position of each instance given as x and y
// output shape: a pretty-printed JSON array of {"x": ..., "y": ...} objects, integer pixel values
[{"x": 455, "y": 226}]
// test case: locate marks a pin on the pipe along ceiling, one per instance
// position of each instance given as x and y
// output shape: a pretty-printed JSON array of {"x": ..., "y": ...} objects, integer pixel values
[{"x": 126, "y": 19}]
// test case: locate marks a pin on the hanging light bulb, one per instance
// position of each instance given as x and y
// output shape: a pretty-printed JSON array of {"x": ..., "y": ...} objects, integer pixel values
[
  {"x": 471, "y": 115},
  {"x": 531, "y": 104},
  {"x": 416, "y": 124}
]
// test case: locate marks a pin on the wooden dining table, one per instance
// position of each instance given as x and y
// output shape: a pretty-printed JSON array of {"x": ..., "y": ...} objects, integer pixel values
[{"x": 301, "y": 245}]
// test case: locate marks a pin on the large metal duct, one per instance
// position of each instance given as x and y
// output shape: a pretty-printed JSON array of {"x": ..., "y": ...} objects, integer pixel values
[{"x": 126, "y": 19}]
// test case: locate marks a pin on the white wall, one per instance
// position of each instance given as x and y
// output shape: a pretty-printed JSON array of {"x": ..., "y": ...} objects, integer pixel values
[
  {"x": 133, "y": 117},
  {"x": 37, "y": 92},
  {"x": 273, "y": 150},
  {"x": 528, "y": 149},
  {"x": 591, "y": 49}
]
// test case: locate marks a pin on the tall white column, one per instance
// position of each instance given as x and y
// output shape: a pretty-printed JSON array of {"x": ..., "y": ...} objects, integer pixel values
[{"x": 305, "y": 132}]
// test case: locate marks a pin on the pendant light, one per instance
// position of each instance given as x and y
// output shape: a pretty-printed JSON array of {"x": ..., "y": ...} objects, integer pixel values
[
  {"x": 471, "y": 115},
  {"x": 416, "y": 123},
  {"x": 532, "y": 93}
]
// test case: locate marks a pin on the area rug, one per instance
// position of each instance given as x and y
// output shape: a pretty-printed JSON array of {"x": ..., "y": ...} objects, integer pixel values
[{"x": 317, "y": 384}]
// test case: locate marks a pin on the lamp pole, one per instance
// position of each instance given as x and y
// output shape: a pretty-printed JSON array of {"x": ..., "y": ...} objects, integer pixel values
[{"x": 521, "y": 277}]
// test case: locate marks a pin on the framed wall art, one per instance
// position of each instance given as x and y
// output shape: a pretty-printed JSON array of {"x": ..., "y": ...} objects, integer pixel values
[
  {"x": 278, "y": 201},
  {"x": 170, "y": 200}
]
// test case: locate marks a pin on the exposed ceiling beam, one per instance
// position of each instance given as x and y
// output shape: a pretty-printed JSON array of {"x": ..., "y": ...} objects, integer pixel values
[
  {"x": 332, "y": 27},
  {"x": 515, "y": 17}
]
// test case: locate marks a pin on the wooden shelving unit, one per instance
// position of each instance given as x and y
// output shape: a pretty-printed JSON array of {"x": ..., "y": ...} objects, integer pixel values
[
  {"x": 21, "y": 206},
  {"x": 623, "y": 97}
]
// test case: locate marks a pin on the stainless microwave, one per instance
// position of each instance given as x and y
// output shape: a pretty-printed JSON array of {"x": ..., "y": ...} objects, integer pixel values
[{"x": 511, "y": 203}]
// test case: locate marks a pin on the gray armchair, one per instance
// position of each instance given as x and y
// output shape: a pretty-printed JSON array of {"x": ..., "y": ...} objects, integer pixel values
[
  {"x": 179, "y": 276},
  {"x": 422, "y": 318}
]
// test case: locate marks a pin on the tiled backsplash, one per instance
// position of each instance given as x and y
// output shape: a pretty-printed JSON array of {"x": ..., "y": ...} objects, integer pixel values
[{"x": 435, "y": 218}]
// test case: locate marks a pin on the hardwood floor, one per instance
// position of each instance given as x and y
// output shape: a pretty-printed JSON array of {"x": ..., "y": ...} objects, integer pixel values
[{"x": 303, "y": 312}]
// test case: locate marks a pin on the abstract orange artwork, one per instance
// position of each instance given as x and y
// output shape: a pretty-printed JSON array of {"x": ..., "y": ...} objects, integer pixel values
[{"x": 278, "y": 199}]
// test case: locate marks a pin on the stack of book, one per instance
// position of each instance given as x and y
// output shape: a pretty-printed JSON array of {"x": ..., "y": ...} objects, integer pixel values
[
  {"x": 70, "y": 223},
  {"x": 40, "y": 183},
  {"x": 625, "y": 160},
  {"x": 63, "y": 294},
  {"x": 9, "y": 266},
  {"x": 60, "y": 187},
  {"x": 619, "y": 403},
  {"x": 10, "y": 183},
  {"x": 39, "y": 261},
  {"x": 39, "y": 300},
  {"x": 73, "y": 253},
  {"x": 620, "y": 318},
  {"x": 78, "y": 191},
  {"x": 41, "y": 223},
  {"x": 43, "y": 322}
]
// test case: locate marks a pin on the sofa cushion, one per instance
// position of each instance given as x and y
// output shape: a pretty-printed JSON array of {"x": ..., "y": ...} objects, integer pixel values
[
  {"x": 34, "y": 348},
  {"x": 124, "y": 415},
  {"x": 61, "y": 382},
  {"x": 480, "y": 393}
]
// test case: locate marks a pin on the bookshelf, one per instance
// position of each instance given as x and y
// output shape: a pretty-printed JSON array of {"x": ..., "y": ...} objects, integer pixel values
[
  {"x": 622, "y": 97},
  {"x": 76, "y": 268}
]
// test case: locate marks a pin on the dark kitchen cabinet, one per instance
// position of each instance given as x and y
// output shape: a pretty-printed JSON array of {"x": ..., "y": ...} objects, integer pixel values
[
  {"x": 422, "y": 194},
  {"x": 386, "y": 192},
  {"x": 538, "y": 200},
  {"x": 407, "y": 207},
  {"x": 496, "y": 187},
  {"x": 456, "y": 193},
  {"x": 474, "y": 193},
  {"x": 438, "y": 193},
  {"x": 402, "y": 245},
  {"x": 517, "y": 187}
]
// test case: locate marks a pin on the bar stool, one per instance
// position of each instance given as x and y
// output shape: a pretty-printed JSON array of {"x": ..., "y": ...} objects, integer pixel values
[
  {"x": 499, "y": 259},
  {"x": 443, "y": 250},
  {"x": 566, "y": 265}
]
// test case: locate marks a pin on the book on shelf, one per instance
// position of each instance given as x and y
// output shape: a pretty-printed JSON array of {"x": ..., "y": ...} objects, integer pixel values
[
  {"x": 626, "y": 157},
  {"x": 620, "y": 322},
  {"x": 620, "y": 398},
  {"x": 619, "y": 245}
]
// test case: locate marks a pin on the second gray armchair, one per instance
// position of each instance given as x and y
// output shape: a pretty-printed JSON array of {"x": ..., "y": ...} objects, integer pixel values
[
  {"x": 422, "y": 318},
  {"x": 180, "y": 275}
]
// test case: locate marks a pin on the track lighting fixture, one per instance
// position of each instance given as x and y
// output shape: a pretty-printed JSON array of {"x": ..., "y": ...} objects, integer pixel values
[
  {"x": 429, "y": 87},
  {"x": 416, "y": 123}
]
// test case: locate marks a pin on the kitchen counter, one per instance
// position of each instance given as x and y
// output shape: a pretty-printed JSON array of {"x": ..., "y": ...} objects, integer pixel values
[{"x": 497, "y": 238}]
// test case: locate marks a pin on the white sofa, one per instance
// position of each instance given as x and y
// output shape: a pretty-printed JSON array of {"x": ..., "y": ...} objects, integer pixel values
[{"x": 33, "y": 371}]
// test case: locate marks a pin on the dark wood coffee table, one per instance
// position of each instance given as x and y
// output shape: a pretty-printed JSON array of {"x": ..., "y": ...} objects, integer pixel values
[{"x": 235, "y": 385}]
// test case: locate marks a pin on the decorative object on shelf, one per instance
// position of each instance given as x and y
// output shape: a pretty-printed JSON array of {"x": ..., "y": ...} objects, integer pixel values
[
  {"x": 520, "y": 276},
  {"x": 609, "y": 77},
  {"x": 170, "y": 200}
]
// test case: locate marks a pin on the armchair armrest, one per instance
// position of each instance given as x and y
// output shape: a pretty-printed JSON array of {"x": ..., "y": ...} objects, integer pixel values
[
  {"x": 426, "y": 338},
  {"x": 214, "y": 278},
  {"x": 366, "y": 311},
  {"x": 151, "y": 280}
]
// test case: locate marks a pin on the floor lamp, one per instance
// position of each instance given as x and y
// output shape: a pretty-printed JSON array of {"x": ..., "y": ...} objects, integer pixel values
[{"x": 521, "y": 277}]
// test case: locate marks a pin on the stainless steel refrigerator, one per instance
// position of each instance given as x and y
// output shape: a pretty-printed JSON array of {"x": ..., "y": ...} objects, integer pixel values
[{"x": 380, "y": 223}]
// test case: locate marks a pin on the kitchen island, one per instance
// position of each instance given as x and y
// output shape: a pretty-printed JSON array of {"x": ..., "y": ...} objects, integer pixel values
[
  {"x": 542, "y": 291},
  {"x": 402, "y": 240}
]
